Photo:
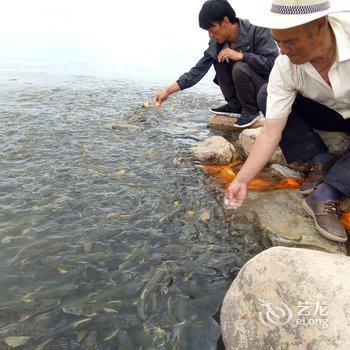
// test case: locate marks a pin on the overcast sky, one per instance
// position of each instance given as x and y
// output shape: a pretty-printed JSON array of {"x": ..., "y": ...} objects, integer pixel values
[{"x": 160, "y": 34}]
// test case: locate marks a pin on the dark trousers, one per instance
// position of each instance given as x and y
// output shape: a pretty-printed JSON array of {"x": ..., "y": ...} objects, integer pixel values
[
  {"x": 239, "y": 84},
  {"x": 300, "y": 141}
]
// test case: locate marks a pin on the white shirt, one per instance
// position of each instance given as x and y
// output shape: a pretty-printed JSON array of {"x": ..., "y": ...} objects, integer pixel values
[{"x": 288, "y": 79}]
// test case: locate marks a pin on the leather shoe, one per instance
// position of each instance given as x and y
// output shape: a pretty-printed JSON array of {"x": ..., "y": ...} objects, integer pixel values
[
  {"x": 327, "y": 218},
  {"x": 315, "y": 177}
]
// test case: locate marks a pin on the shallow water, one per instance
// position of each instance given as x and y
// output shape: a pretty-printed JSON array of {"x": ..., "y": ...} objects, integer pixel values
[{"x": 105, "y": 241}]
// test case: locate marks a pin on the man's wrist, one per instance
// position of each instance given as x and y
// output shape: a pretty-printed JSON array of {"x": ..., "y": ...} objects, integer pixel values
[{"x": 241, "y": 181}]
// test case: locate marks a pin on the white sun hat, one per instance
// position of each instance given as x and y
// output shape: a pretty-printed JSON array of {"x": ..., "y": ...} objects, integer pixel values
[{"x": 291, "y": 13}]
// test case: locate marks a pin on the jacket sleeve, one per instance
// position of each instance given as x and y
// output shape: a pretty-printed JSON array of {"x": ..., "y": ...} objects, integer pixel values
[
  {"x": 264, "y": 53},
  {"x": 196, "y": 73}
]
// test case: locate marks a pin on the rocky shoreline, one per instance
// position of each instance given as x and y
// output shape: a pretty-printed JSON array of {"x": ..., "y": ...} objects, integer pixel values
[{"x": 298, "y": 268}]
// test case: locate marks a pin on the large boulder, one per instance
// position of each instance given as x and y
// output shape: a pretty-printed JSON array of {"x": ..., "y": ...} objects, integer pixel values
[
  {"x": 214, "y": 150},
  {"x": 288, "y": 298}
]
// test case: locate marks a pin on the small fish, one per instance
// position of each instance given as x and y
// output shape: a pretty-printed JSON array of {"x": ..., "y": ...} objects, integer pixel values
[
  {"x": 112, "y": 335},
  {"x": 109, "y": 310},
  {"x": 78, "y": 323},
  {"x": 118, "y": 302},
  {"x": 112, "y": 216},
  {"x": 119, "y": 174},
  {"x": 43, "y": 345},
  {"x": 62, "y": 270},
  {"x": 28, "y": 297},
  {"x": 80, "y": 336}
]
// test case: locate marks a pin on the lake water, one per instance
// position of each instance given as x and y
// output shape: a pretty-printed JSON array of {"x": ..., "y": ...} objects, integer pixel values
[{"x": 103, "y": 244}]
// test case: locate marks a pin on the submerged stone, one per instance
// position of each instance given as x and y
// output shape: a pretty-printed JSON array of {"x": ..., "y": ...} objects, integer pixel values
[{"x": 15, "y": 342}]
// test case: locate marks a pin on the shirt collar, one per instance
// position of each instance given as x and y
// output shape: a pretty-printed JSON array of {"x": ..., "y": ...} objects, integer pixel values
[
  {"x": 341, "y": 38},
  {"x": 242, "y": 38}
]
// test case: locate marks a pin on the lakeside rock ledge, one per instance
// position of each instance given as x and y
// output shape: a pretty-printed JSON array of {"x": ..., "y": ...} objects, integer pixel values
[
  {"x": 288, "y": 297},
  {"x": 280, "y": 213}
]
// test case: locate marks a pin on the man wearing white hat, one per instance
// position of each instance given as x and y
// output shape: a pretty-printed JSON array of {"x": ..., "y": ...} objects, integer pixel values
[{"x": 309, "y": 87}]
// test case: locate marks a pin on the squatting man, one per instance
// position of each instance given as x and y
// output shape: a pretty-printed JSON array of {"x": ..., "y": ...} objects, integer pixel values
[
  {"x": 309, "y": 88},
  {"x": 242, "y": 55}
]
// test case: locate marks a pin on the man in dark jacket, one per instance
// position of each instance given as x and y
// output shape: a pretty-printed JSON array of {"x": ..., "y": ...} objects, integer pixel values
[{"x": 243, "y": 56}]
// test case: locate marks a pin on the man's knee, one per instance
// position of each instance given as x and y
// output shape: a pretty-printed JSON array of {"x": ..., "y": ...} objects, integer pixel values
[
  {"x": 240, "y": 70},
  {"x": 262, "y": 98}
]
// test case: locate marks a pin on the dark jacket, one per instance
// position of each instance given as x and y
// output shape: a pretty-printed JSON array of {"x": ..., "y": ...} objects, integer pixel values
[{"x": 256, "y": 43}]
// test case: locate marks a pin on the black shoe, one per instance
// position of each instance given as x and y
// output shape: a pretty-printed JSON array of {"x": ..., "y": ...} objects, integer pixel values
[
  {"x": 246, "y": 119},
  {"x": 228, "y": 110}
]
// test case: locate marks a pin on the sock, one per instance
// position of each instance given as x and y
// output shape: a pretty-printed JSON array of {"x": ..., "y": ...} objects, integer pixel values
[
  {"x": 322, "y": 158},
  {"x": 326, "y": 192}
]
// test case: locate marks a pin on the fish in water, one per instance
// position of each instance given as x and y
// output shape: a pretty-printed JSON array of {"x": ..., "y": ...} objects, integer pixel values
[{"x": 225, "y": 174}]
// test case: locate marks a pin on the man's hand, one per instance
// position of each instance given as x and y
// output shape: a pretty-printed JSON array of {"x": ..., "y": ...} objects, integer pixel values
[
  {"x": 163, "y": 95},
  {"x": 230, "y": 54},
  {"x": 160, "y": 97},
  {"x": 259, "y": 156},
  {"x": 235, "y": 195}
]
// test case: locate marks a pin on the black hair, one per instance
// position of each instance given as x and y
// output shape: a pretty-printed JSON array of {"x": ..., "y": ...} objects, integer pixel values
[{"x": 214, "y": 11}]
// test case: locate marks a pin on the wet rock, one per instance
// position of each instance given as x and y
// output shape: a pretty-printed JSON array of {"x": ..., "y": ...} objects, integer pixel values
[
  {"x": 204, "y": 215},
  {"x": 222, "y": 122},
  {"x": 215, "y": 150},
  {"x": 87, "y": 247},
  {"x": 288, "y": 298},
  {"x": 77, "y": 310},
  {"x": 283, "y": 219},
  {"x": 285, "y": 171},
  {"x": 16, "y": 342}
]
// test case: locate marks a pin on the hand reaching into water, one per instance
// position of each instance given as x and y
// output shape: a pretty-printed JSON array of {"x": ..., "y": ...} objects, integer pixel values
[
  {"x": 163, "y": 95},
  {"x": 160, "y": 97},
  {"x": 235, "y": 195}
]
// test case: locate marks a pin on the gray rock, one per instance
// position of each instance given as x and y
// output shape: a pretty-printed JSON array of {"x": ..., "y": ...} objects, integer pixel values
[
  {"x": 247, "y": 138},
  {"x": 337, "y": 142},
  {"x": 215, "y": 149},
  {"x": 289, "y": 298},
  {"x": 283, "y": 219},
  {"x": 285, "y": 171}
]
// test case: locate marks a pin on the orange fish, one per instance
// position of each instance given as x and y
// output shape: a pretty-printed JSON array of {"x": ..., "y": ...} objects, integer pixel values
[
  {"x": 224, "y": 174},
  {"x": 345, "y": 218}
]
